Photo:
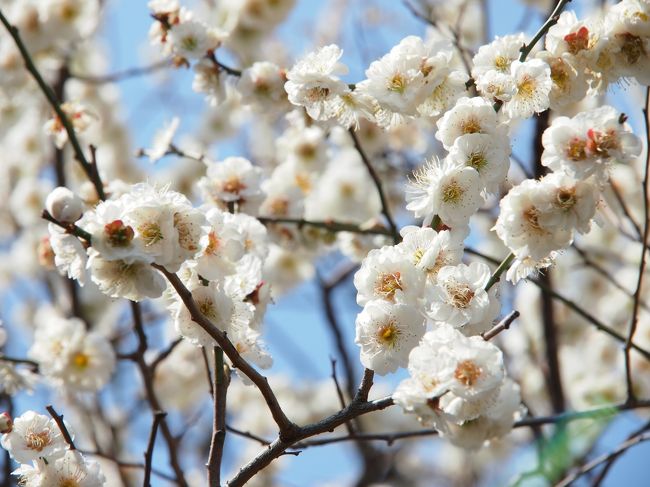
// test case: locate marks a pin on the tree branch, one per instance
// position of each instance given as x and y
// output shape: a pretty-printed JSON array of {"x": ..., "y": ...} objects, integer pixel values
[{"x": 158, "y": 416}]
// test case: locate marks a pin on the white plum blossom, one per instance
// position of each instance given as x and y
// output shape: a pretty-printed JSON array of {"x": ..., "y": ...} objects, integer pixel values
[
  {"x": 387, "y": 333},
  {"x": 459, "y": 298},
  {"x": 314, "y": 81},
  {"x": 234, "y": 179},
  {"x": 388, "y": 274},
  {"x": 468, "y": 116},
  {"x": 453, "y": 379},
  {"x": 589, "y": 143},
  {"x": 34, "y": 436},
  {"x": 192, "y": 39},
  {"x": 78, "y": 115},
  {"x": 532, "y": 86},
  {"x": 489, "y": 155},
  {"x": 446, "y": 188},
  {"x": 402, "y": 79},
  {"x": 73, "y": 469},
  {"x": 68, "y": 354}
]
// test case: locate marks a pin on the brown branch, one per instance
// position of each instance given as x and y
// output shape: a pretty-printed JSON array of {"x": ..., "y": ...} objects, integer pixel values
[
  {"x": 70, "y": 228},
  {"x": 385, "y": 209},
  {"x": 158, "y": 416},
  {"x": 552, "y": 20},
  {"x": 278, "y": 447},
  {"x": 123, "y": 464},
  {"x": 62, "y": 427},
  {"x": 150, "y": 394},
  {"x": 642, "y": 264},
  {"x": 287, "y": 428},
  {"x": 220, "y": 388},
  {"x": 502, "y": 325},
  {"x": 330, "y": 225},
  {"x": 604, "y": 458},
  {"x": 570, "y": 304},
  {"x": 121, "y": 75},
  {"x": 51, "y": 98}
]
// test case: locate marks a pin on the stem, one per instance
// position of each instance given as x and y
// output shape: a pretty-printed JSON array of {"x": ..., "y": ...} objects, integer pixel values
[
  {"x": 220, "y": 388},
  {"x": 51, "y": 98},
  {"x": 642, "y": 264},
  {"x": 503, "y": 266},
  {"x": 158, "y": 416}
]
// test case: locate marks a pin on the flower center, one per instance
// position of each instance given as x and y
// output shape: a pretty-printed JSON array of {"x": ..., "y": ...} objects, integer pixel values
[
  {"x": 397, "y": 83},
  {"x": 460, "y": 295},
  {"x": 388, "y": 334},
  {"x": 233, "y": 185},
  {"x": 576, "y": 150},
  {"x": 502, "y": 63},
  {"x": 577, "y": 41},
  {"x": 467, "y": 373},
  {"x": 318, "y": 93},
  {"x": 452, "y": 192},
  {"x": 150, "y": 233},
  {"x": 531, "y": 215},
  {"x": 189, "y": 43},
  {"x": 388, "y": 284},
  {"x": 632, "y": 47},
  {"x": 526, "y": 87},
  {"x": 38, "y": 440},
  {"x": 470, "y": 126},
  {"x": 602, "y": 143},
  {"x": 80, "y": 360},
  {"x": 566, "y": 198},
  {"x": 118, "y": 234},
  {"x": 477, "y": 160}
]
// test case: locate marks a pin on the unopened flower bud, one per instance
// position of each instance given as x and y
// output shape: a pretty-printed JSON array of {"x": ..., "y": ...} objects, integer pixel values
[
  {"x": 6, "y": 423},
  {"x": 64, "y": 205}
]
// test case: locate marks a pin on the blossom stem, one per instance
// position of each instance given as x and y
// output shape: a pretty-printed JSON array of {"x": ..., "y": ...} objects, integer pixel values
[
  {"x": 332, "y": 226},
  {"x": 504, "y": 266},
  {"x": 550, "y": 22}
]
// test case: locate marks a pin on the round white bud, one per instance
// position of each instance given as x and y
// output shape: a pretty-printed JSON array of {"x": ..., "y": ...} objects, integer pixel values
[{"x": 64, "y": 205}]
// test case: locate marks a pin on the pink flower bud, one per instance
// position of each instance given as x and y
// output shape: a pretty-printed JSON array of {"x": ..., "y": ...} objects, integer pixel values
[{"x": 6, "y": 423}]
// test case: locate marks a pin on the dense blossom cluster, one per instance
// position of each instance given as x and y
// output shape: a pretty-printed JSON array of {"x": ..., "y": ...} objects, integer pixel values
[{"x": 336, "y": 170}]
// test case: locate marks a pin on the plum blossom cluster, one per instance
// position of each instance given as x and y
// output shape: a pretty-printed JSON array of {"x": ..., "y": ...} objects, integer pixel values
[
  {"x": 36, "y": 442},
  {"x": 540, "y": 217},
  {"x": 458, "y": 385}
]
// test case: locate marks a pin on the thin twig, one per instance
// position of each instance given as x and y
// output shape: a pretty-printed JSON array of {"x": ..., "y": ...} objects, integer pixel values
[
  {"x": 51, "y": 98},
  {"x": 287, "y": 427},
  {"x": 158, "y": 416},
  {"x": 503, "y": 267},
  {"x": 502, "y": 325},
  {"x": 642, "y": 264},
  {"x": 64, "y": 429},
  {"x": 550, "y": 22},
  {"x": 122, "y": 75},
  {"x": 332, "y": 226},
  {"x": 375, "y": 178},
  {"x": 588, "y": 467}
]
